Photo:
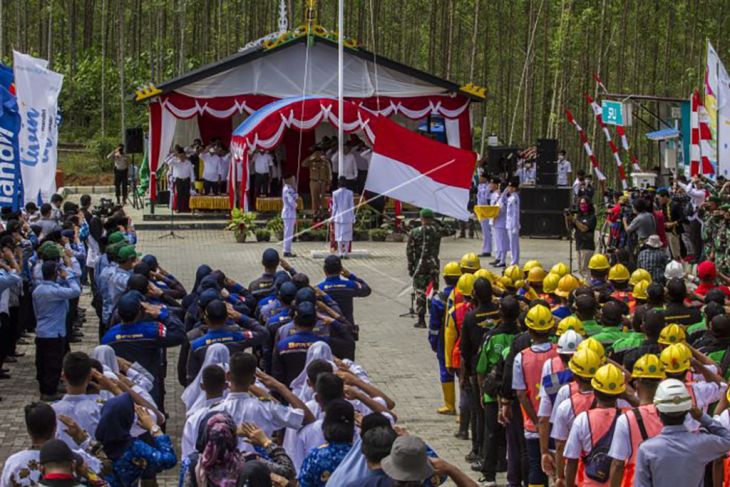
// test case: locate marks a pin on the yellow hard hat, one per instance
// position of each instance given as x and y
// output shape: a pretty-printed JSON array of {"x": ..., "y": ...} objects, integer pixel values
[
  {"x": 598, "y": 262},
  {"x": 619, "y": 272},
  {"x": 570, "y": 323},
  {"x": 452, "y": 269},
  {"x": 484, "y": 273},
  {"x": 470, "y": 262},
  {"x": 513, "y": 272},
  {"x": 539, "y": 318},
  {"x": 531, "y": 264},
  {"x": 550, "y": 283},
  {"x": 536, "y": 274},
  {"x": 504, "y": 282},
  {"x": 640, "y": 290},
  {"x": 559, "y": 269},
  {"x": 609, "y": 380},
  {"x": 648, "y": 367},
  {"x": 594, "y": 345},
  {"x": 567, "y": 284},
  {"x": 675, "y": 358},
  {"x": 519, "y": 284},
  {"x": 671, "y": 334},
  {"x": 640, "y": 275},
  {"x": 584, "y": 362},
  {"x": 465, "y": 284}
]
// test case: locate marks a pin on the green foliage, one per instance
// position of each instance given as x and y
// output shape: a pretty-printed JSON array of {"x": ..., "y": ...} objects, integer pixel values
[
  {"x": 275, "y": 225},
  {"x": 99, "y": 147},
  {"x": 263, "y": 235},
  {"x": 241, "y": 220},
  {"x": 378, "y": 234}
]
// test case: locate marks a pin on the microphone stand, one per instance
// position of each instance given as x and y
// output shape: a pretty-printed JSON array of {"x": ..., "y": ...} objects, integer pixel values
[{"x": 171, "y": 234}]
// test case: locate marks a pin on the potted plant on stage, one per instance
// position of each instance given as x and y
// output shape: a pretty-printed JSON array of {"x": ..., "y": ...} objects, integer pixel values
[
  {"x": 263, "y": 235},
  {"x": 275, "y": 226},
  {"x": 241, "y": 223}
]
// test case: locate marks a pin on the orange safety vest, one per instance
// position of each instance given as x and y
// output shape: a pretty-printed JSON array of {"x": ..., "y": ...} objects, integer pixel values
[
  {"x": 459, "y": 314},
  {"x": 580, "y": 401},
  {"x": 625, "y": 297},
  {"x": 599, "y": 422},
  {"x": 653, "y": 426},
  {"x": 532, "y": 363}
]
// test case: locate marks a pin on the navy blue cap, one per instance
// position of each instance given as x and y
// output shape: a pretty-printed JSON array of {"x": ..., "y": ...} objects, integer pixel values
[
  {"x": 306, "y": 314},
  {"x": 68, "y": 233},
  {"x": 270, "y": 258},
  {"x": 288, "y": 292},
  {"x": 306, "y": 294},
  {"x": 128, "y": 305},
  {"x": 281, "y": 277},
  {"x": 151, "y": 261},
  {"x": 209, "y": 282},
  {"x": 216, "y": 310},
  {"x": 207, "y": 296},
  {"x": 332, "y": 260}
]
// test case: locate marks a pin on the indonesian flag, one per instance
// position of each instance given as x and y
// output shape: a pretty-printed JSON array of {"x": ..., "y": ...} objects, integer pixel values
[
  {"x": 414, "y": 169},
  {"x": 700, "y": 137}
]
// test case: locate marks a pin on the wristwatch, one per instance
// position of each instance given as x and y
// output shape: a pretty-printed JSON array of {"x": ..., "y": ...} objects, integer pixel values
[{"x": 155, "y": 429}]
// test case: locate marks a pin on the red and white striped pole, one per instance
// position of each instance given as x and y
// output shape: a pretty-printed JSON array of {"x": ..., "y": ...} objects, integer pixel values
[
  {"x": 586, "y": 146},
  {"x": 620, "y": 131},
  {"x": 616, "y": 157}
]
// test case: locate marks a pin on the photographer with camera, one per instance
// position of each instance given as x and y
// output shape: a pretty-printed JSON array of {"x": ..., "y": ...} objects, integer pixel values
[{"x": 583, "y": 224}]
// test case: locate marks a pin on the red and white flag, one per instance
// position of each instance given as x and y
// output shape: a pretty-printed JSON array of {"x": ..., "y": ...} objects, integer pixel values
[
  {"x": 414, "y": 169},
  {"x": 700, "y": 136}
]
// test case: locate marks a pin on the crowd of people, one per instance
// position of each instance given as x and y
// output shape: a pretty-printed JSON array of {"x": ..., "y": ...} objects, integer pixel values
[{"x": 272, "y": 392}]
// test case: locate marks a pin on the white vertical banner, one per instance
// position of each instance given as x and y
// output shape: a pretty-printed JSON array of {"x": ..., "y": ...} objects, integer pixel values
[
  {"x": 37, "y": 89},
  {"x": 717, "y": 102}
]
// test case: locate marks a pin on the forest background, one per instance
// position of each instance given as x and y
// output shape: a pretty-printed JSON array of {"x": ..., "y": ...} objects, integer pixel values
[{"x": 534, "y": 57}]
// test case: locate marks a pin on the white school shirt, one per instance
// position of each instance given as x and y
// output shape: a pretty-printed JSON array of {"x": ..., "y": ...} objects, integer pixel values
[
  {"x": 84, "y": 409},
  {"x": 518, "y": 380},
  {"x": 267, "y": 415},
  {"x": 349, "y": 165},
  {"x": 564, "y": 168},
  {"x": 211, "y": 163},
  {"x": 579, "y": 440},
  {"x": 362, "y": 158},
  {"x": 225, "y": 164},
  {"x": 182, "y": 169},
  {"x": 343, "y": 206},
  {"x": 262, "y": 161},
  {"x": 22, "y": 469},
  {"x": 192, "y": 425},
  {"x": 289, "y": 198}
]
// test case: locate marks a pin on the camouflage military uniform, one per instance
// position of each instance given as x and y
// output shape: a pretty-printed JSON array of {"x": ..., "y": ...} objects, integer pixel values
[
  {"x": 709, "y": 234},
  {"x": 720, "y": 239},
  {"x": 422, "y": 251}
]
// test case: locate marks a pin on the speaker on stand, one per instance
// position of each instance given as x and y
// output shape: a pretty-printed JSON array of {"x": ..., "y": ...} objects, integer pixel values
[
  {"x": 542, "y": 211},
  {"x": 134, "y": 144},
  {"x": 547, "y": 169}
]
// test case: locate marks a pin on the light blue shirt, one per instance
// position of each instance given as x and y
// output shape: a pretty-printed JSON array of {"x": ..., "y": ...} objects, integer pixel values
[
  {"x": 102, "y": 285},
  {"x": 678, "y": 457},
  {"x": 483, "y": 194},
  {"x": 116, "y": 285},
  {"x": 501, "y": 220},
  {"x": 289, "y": 207},
  {"x": 513, "y": 212},
  {"x": 50, "y": 303},
  {"x": 85, "y": 409}
]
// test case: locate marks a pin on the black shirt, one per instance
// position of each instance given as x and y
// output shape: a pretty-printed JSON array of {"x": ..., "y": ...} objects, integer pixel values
[
  {"x": 681, "y": 314},
  {"x": 476, "y": 323},
  {"x": 585, "y": 240}
]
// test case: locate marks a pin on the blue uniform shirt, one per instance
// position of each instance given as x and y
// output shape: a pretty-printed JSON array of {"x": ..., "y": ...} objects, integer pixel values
[{"x": 50, "y": 303}]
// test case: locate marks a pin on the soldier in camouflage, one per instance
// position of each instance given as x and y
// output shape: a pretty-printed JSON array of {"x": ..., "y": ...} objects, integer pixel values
[
  {"x": 422, "y": 252},
  {"x": 721, "y": 239}
]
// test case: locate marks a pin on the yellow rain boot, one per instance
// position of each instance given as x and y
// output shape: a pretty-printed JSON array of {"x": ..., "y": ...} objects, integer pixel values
[{"x": 449, "y": 392}]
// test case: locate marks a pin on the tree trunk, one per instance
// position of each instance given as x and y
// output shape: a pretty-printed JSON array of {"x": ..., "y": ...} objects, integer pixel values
[{"x": 103, "y": 68}]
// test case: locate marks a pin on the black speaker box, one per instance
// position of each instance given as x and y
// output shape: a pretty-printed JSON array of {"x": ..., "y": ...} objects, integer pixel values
[
  {"x": 134, "y": 140},
  {"x": 535, "y": 223},
  {"x": 542, "y": 198},
  {"x": 501, "y": 160},
  {"x": 163, "y": 197},
  {"x": 547, "y": 151},
  {"x": 543, "y": 178}
]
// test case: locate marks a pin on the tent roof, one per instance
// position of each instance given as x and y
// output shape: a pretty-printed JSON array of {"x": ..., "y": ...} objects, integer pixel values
[{"x": 364, "y": 71}]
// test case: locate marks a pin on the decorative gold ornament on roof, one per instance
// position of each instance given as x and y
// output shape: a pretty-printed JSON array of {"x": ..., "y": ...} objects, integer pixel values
[
  {"x": 146, "y": 91},
  {"x": 475, "y": 90}
]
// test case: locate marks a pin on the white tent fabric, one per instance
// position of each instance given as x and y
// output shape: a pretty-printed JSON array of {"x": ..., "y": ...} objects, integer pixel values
[{"x": 282, "y": 75}]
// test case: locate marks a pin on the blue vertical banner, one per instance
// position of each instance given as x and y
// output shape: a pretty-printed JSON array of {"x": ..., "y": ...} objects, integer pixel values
[{"x": 11, "y": 187}]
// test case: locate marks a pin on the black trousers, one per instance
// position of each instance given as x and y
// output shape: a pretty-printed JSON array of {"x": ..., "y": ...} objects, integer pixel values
[
  {"x": 362, "y": 176},
  {"x": 182, "y": 189},
  {"x": 49, "y": 354},
  {"x": 493, "y": 437},
  {"x": 477, "y": 418},
  {"x": 210, "y": 187},
  {"x": 6, "y": 336},
  {"x": 516, "y": 453},
  {"x": 260, "y": 184},
  {"x": 120, "y": 182}
]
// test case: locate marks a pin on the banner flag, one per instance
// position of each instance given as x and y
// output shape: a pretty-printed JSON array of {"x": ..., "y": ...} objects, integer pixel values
[
  {"x": 11, "y": 188},
  {"x": 717, "y": 104},
  {"x": 37, "y": 90}
]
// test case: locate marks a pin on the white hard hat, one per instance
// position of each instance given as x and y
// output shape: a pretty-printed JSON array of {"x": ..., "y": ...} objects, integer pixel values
[
  {"x": 672, "y": 397},
  {"x": 674, "y": 269},
  {"x": 568, "y": 342}
]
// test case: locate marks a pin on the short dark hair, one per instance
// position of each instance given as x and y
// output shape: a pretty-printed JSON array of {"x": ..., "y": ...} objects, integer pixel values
[
  {"x": 339, "y": 422},
  {"x": 40, "y": 420},
  {"x": 138, "y": 282},
  {"x": 56, "y": 198},
  {"x": 76, "y": 368},
  {"x": 332, "y": 266},
  {"x": 46, "y": 209},
  {"x": 85, "y": 200},
  {"x": 374, "y": 420},
  {"x": 654, "y": 322},
  {"x": 242, "y": 368},
  {"x": 376, "y": 443},
  {"x": 509, "y": 308},
  {"x": 317, "y": 367},
  {"x": 49, "y": 269},
  {"x": 655, "y": 293},
  {"x": 214, "y": 378},
  {"x": 676, "y": 290},
  {"x": 483, "y": 290},
  {"x": 672, "y": 419},
  {"x": 329, "y": 387}
]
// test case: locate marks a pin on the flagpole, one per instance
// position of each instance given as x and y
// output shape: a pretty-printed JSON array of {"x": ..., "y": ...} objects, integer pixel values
[
  {"x": 717, "y": 112},
  {"x": 340, "y": 84}
]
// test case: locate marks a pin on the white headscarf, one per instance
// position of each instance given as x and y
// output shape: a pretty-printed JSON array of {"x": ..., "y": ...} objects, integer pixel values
[
  {"x": 299, "y": 386},
  {"x": 108, "y": 358},
  {"x": 193, "y": 396}
]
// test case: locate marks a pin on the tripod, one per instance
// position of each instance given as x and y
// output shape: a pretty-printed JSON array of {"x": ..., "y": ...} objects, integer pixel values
[
  {"x": 171, "y": 233},
  {"x": 569, "y": 228},
  {"x": 411, "y": 313}
]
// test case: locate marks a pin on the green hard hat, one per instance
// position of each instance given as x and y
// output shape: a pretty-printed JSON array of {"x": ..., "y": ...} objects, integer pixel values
[{"x": 426, "y": 213}]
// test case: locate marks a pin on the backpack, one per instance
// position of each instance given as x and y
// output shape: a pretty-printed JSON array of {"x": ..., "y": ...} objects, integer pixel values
[
  {"x": 597, "y": 463},
  {"x": 494, "y": 379}
]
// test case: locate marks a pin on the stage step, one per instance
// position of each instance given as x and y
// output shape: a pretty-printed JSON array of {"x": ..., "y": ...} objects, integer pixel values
[
  {"x": 180, "y": 225},
  {"x": 184, "y": 217}
]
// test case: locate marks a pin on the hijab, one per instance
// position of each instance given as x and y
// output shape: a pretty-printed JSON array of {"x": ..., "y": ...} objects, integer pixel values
[
  {"x": 220, "y": 460},
  {"x": 107, "y": 357},
  {"x": 193, "y": 396},
  {"x": 299, "y": 386},
  {"x": 113, "y": 430},
  {"x": 254, "y": 474},
  {"x": 200, "y": 274}
]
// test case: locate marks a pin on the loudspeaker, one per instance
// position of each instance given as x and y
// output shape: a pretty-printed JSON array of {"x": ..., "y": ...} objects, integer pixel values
[
  {"x": 134, "y": 140},
  {"x": 547, "y": 151},
  {"x": 541, "y": 198},
  {"x": 163, "y": 197},
  {"x": 501, "y": 160},
  {"x": 543, "y": 178},
  {"x": 549, "y": 224}
]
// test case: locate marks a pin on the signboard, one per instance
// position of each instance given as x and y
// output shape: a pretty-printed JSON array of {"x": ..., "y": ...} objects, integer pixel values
[{"x": 616, "y": 113}]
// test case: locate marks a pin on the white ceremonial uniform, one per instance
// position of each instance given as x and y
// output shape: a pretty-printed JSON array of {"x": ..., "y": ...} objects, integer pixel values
[
  {"x": 262, "y": 161},
  {"x": 267, "y": 415},
  {"x": 349, "y": 166},
  {"x": 564, "y": 170},
  {"x": 512, "y": 205},
  {"x": 483, "y": 198},
  {"x": 343, "y": 216},
  {"x": 499, "y": 226},
  {"x": 289, "y": 215}
]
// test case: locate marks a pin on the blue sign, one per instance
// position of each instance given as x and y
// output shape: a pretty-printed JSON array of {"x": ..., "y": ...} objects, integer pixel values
[
  {"x": 612, "y": 112},
  {"x": 11, "y": 188}
]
